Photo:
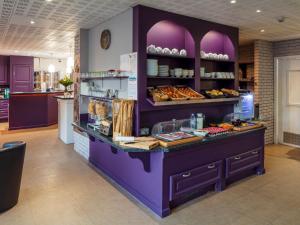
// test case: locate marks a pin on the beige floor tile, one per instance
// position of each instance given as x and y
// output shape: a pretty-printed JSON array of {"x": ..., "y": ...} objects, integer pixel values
[{"x": 60, "y": 188}]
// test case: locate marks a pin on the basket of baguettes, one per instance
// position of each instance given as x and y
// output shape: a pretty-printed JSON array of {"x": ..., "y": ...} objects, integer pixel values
[
  {"x": 178, "y": 93},
  {"x": 122, "y": 111}
]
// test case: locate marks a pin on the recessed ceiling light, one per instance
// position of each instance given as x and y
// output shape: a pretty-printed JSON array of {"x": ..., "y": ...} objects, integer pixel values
[
  {"x": 48, "y": 0},
  {"x": 258, "y": 10},
  {"x": 233, "y": 1},
  {"x": 262, "y": 30},
  {"x": 32, "y": 22}
]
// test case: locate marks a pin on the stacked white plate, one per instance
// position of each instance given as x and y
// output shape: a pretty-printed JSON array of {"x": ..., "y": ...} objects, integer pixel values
[
  {"x": 163, "y": 70},
  {"x": 152, "y": 67}
]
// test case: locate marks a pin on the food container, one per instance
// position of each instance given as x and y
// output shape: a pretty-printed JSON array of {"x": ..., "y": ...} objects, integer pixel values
[
  {"x": 172, "y": 93},
  {"x": 189, "y": 92},
  {"x": 201, "y": 133}
]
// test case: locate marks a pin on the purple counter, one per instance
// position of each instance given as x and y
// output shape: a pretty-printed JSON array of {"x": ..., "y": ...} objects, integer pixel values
[
  {"x": 164, "y": 178},
  {"x": 29, "y": 110}
]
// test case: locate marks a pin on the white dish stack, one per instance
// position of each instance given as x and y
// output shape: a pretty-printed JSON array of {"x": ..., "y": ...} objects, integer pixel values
[
  {"x": 163, "y": 70},
  {"x": 152, "y": 67},
  {"x": 152, "y": 49},
  {"x": 214, "y": 56}
]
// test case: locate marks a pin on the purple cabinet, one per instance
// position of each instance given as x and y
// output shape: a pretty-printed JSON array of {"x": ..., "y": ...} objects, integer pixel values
[
  {"x": 245, "y": 161},
  {"x": 21, "y": 74},
  {"x": 4, "y": 75},
  {"x": 3, "y": 109},
  {"x": 195, "y": 179}
]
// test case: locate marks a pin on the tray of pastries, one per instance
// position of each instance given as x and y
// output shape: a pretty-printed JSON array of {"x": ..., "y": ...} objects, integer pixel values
[
  {"x": 172, "y": 93},
  {"x": 214, "y": 93},
  {"x": 230, "y": 92},
  {"x": 189, "y": 93}
]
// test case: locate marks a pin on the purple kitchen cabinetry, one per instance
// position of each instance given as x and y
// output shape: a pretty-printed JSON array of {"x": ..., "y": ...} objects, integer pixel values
[
  {"x": 21, "y": 74},
  {"x": 4, "y": 109},
  {"x": 181, "y": 173},
  {"x": 4, "y": 70}
]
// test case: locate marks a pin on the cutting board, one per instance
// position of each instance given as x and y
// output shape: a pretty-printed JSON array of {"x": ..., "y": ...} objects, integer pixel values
[
  {"x": 247, "y": 128},
  {"x": 146, "y": 145},
  {"x": 179, "y": 142}
]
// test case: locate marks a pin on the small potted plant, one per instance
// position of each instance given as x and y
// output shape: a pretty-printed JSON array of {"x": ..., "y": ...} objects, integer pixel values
[{"x": 66, "y": 82}]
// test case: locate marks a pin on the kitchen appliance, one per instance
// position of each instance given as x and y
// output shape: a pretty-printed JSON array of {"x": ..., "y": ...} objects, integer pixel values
[{"x": 244, "y": 110}]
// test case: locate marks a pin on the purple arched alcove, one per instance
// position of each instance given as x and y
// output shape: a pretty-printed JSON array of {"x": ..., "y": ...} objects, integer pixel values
[
  {"x": 167, "y": 34},
  {"x": 216, "y": 42}
]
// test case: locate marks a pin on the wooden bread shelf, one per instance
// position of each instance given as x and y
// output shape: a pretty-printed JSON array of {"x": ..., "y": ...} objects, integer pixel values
[{"x": 199, "y": 101}]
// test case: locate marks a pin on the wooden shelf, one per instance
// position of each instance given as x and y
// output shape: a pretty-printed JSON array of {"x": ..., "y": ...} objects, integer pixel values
[
  {"x": 247, "y": 62},
  {"x": 204, "y": 78},
  {"x": 217, "y": 61},
  {"x": 187, "y": 102},
  {"x": 246, "y": 81},
  {"x": 178, "y": 78},
  {"x": 169, "y": 56}
]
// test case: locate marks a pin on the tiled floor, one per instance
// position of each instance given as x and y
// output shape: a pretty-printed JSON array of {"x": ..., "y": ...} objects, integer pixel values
[{"x": 59, "y": 188}]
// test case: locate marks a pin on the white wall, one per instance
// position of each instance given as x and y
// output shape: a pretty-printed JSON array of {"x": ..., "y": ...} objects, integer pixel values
[{"x": 120, "y": 27}]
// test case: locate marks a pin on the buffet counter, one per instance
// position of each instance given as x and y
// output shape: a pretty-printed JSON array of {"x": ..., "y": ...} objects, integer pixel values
[
  {"x": 163, "y": 177},
  {"x": 32, "y": 109}
]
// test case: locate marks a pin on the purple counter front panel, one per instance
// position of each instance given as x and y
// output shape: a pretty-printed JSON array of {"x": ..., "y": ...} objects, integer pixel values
[
  {"x": 31, "y": 110},
  {"x": 173, "y": 176}
]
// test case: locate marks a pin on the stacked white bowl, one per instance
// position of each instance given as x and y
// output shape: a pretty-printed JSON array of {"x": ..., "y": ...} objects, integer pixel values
[
  {"x": 152, "y": 67},
  {"x": 163, "y": 70}
]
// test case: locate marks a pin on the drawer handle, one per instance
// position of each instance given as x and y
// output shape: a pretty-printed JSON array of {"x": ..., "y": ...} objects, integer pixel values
[
  {"x": 254, "y": 152},
  {"x": 211, "y": 166},
  {"x": 186, "y": 175},
  {"x": 237, "y": 157}
]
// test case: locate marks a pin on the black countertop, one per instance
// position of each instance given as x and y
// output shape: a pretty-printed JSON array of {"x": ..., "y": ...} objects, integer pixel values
[
  {"x": 35, "y": 92},
  {"x": 83, "y": 127},
  {"x": 64, "y": 98}
]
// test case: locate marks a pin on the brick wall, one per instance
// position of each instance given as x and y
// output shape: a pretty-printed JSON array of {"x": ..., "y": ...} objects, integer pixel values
[
  {"x": 286, "y": 48},
  {"x": 264, "y": 88}
]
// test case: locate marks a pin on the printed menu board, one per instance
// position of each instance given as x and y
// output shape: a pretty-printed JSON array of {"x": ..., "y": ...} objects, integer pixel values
[{"x": 128, "y": 64}]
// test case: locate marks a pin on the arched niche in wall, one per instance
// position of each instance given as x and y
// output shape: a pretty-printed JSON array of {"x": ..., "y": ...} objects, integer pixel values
[
  {"x": 167, "y": 34},
  {"x": 216, "y": 42}
]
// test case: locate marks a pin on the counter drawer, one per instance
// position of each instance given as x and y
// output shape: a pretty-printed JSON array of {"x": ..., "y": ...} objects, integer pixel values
[
  {"x": 4, "y": 104},
  {"x": 191, "y": 180},
  {"x": 244, "y": 161}
]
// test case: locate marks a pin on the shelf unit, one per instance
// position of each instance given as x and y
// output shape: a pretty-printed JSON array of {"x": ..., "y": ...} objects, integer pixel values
[
  {"x": 176, "y": 78},
  {"x": 155, "y": 55},
  {"x": 104, "y": 78},
  {"x": 217, "y": 61},
  {"x": 189, "y": 102},
  {"x": 246, "y": 75},
  {"x": 169, "y": 30},
  {"x": 216, "y": 79}
]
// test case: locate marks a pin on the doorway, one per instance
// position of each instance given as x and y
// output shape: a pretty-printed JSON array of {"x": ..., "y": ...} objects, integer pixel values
[{"x": 287, "y": 100}]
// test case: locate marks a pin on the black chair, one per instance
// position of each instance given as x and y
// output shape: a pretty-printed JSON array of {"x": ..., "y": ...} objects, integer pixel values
[{"x": 11, "y": 167}]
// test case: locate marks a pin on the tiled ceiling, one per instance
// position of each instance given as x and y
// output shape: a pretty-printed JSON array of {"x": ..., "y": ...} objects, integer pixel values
[{"x": 56, "y": 21}]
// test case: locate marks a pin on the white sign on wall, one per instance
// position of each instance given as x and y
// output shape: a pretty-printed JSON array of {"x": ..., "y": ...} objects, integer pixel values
[{"x": 128, "y": 63}]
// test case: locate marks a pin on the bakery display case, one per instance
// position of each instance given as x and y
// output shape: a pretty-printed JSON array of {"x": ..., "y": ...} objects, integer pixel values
[{"x": 174, "y": 131}]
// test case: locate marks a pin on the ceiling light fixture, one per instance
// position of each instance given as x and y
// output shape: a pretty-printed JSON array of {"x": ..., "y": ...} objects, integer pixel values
[
  {"x": 258, "y": 11},
  {"x": 262, "y": 30},
  {"x": 32, "y": 22},
  {"x": 233, "y": 1},
  {"x": 48, "y": 0}
]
